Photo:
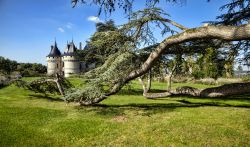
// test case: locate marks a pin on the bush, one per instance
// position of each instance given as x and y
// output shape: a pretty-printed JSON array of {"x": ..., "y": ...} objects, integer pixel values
[
  {"x": 31, "y": 73},
  {"x": 198, "y": 74},
  {"x": 4, "y": 81}
]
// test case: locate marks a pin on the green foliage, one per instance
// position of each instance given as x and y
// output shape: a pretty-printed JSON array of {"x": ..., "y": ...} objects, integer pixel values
[
  {"x": 237, "y": 12},
  {"x": 104, "y": 78},
  {"x": 142, "y": 24},
  {"x": 31, "y": 69},
  {"x": 7, "y": 66},
  {"x": 25, "y": 69},
  {"x": 207, "y": 64},
  {"x": 111, "y": 5},
  {"x": 45, "y": 85},
  {"x": 4, "y": 81},
  {"x": 105, "y": 41},
  {"x": 197, "y": 74},
  {"x": 246, "y": 78},
  {"x": 106, "y": 26}
]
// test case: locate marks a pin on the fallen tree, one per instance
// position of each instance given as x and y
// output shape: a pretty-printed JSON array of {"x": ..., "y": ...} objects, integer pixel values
[
  {"x": 226, "y": 33},
  {"x": 221, "y": 91}
]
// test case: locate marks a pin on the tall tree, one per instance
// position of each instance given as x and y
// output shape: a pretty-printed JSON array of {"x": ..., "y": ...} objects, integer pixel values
[{"x": 105, "y": 41}]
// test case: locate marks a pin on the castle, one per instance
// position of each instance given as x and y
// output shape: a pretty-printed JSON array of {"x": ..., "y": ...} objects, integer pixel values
[{"x": 64, "y": 64}]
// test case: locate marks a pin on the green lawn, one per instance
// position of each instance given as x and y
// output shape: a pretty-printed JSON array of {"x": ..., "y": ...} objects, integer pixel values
[{"x": 125, "y": 119}]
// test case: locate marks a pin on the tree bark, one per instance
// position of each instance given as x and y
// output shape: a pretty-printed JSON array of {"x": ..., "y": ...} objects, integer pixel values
[
  {"x": 149, "y": 80},
  {"x": 170, "y": 77},
  {"x": 221, "y": 91},
  {"x": 146, "y": 88},
  {"x": 59, "y": 85},
  {"x": 228, "y": 33}
]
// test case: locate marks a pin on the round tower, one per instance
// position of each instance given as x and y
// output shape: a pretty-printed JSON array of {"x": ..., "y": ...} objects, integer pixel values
[
  {"x": 54, "y": 61},
  {"x": 71, "y": 63}
]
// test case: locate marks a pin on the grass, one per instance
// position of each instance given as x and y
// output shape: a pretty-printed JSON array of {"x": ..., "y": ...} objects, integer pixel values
[{"x": 124, "y": 119}]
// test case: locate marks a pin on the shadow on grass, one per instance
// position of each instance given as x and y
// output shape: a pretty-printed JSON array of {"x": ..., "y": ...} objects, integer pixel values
[
  {"x": 182, "y": 103},
  {"x": 137, "y": 109},
  {"x": 137, "y": 91},
  {"x": 130, "y": 92},
  {"x": 36, "y": 96},
  {"x": 217, "y": 104},
  {"x": 149, "y": 109}
]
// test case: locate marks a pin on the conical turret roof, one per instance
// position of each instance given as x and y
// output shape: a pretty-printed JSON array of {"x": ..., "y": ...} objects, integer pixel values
[
  {"x": 54, "y": 52},
  {"x": 70, "y": 49}
]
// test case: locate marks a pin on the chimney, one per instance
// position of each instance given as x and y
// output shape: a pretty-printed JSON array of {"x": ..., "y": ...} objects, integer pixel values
[{"x": 80, "y": 46}]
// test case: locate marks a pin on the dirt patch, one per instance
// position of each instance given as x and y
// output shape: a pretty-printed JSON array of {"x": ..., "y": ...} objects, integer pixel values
[{"x": 119, "y": 119}]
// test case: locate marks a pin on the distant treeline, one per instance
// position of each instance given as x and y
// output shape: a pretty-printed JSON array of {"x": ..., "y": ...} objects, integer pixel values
[{"x": 8, "y": 67}]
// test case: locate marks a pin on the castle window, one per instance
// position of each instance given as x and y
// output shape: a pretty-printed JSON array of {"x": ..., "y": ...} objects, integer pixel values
[{"x": 56, "y": 65}]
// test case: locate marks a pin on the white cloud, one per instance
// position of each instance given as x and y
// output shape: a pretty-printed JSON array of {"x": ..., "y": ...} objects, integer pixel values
[
  {"x": 61, "y": 29},
  {"x": 69, "y": 25},
  {"x": 94, "y": 19}
]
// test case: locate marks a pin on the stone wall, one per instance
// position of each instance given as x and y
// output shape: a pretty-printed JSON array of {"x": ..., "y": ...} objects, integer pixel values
[
  {"x": 70, "y": 65},
  {"x": 54, "y": 65}
]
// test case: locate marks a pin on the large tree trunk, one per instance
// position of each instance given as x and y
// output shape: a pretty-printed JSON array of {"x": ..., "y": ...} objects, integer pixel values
[
  {"x": 221, "y": 91},
  {"x": 59, "y": 84},
  {"x": 228, "y": 33},
  {"x": 149, "y": 81}
]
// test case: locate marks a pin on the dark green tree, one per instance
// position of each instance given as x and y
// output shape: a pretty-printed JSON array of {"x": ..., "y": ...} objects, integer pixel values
[
  {"x": 210, "y": 63},
  {"x": 105, "y": 41}
]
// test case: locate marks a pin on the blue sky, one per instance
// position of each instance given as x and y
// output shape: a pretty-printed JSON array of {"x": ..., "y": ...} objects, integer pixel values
[{"x": 29, "y": 27}]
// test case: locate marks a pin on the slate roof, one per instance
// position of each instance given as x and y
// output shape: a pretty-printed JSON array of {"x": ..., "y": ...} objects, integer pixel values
[
  {"x": 70, "y": 49},
  {"x": 54, "y": 52}
]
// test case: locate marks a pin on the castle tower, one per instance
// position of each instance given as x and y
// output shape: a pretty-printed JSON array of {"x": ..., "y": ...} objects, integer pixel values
[
  {"x": 71, "y": 63},
  {"x": 54, "y": 61}
]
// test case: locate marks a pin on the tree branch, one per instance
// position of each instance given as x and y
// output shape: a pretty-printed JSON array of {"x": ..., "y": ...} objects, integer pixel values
[
  {"x": 173, "y": 23},
  {"x": 221, "y": 91},
  {"x": 228, "y": 33}
]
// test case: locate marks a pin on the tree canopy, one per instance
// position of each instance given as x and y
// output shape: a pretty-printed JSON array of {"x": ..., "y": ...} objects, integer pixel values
[{"x": 8, "y": 66}]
